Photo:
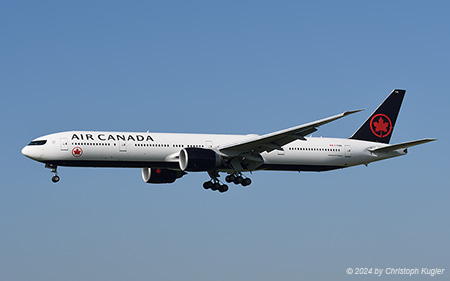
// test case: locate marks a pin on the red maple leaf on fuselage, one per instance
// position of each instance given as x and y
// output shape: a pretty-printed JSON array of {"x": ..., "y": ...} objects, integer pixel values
[{"x": 381, "y": 126}]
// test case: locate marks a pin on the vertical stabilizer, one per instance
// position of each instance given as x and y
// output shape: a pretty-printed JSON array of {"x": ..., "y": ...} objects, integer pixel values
[{"x": 380, "y": 125}]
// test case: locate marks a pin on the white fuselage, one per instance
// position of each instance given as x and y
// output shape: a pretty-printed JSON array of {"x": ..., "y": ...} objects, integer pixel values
[{"x": 161, "y": 150}]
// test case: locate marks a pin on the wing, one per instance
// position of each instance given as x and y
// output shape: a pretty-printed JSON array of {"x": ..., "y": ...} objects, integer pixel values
[
  {"x": 275, "y": 140},
  {"x": 393, "y": 147}
]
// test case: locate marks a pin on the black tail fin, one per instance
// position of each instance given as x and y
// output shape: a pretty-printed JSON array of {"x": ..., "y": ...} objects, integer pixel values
[{"x": 380, "y": 125}]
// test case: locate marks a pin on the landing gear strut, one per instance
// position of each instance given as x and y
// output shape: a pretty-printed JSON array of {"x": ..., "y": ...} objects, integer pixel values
[{"x": 53, "y": 168}]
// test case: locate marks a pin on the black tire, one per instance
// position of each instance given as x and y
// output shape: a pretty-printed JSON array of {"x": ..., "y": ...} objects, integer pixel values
[
  {"x": 55, "y": 179},
  {"x": 207, "y": 185},
  {"x": 238, "y": 180},
  {"x": 215, "y": 186},
  {"x": 223, "y": 188},
  {"x": 246, "y": 182}
]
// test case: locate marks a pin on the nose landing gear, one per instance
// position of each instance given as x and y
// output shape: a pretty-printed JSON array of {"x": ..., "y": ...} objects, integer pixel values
[{"x": 53, "y": 168}]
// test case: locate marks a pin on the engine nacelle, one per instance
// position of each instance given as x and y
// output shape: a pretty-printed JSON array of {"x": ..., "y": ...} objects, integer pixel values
[
  {"x": 199, "y": 159},
  {"x": 152, "y": 175}
]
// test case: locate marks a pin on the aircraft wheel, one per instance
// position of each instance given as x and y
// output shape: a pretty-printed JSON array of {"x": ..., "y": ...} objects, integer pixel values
[
  {"x": 55, "y": 179},
  {"x": 207, "y": 185},
  {"x": 246, "y": 182},
  {"x": 229, "y": 178},
  {"x": 223, "y": 188},
  {"x": 238, "y": 180},
  {"x": 215, "y": 186}
]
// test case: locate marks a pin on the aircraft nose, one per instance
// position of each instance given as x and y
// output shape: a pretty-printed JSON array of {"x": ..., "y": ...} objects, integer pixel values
[
  {"x": 31, "y": 153},
  {"x": 26, "y": 151}
]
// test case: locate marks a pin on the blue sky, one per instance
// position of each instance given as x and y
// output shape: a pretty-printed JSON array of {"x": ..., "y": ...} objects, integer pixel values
[{"x": 222, "y": 67}]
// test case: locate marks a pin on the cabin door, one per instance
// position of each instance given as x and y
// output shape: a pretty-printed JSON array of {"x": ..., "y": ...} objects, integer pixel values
[
  {"x": 122, "y": 146},
  {"x": 64, "y": 145},
  {"x": 348, "y": 151}
]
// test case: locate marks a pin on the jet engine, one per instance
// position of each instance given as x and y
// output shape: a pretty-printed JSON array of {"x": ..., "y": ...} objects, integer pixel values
[
  {"x": 199, "y": 159},
  {"x": 152, "y": 175}
]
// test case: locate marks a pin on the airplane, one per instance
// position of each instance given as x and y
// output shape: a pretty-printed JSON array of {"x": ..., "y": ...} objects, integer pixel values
[{"x": 166, "y": 157}]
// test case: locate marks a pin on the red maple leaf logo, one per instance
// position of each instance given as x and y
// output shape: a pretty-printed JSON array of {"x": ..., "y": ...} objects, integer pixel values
[
  {"x": 77, "y": 152},
  {"x": 381, "y": 126}
]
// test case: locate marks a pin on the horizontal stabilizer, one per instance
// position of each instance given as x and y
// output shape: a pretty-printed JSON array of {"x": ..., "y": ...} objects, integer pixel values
[{"x": 400, "y": 145}]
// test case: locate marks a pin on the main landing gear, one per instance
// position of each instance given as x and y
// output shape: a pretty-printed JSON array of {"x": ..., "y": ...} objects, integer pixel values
[
  {"x": 53, "y": 168},
  {"x": 238, "y": 179},
  {"x": 214, "y": 184}
]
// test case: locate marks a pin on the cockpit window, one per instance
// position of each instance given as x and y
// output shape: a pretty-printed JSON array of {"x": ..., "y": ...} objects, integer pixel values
[{"x": 38, "y": 142}]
